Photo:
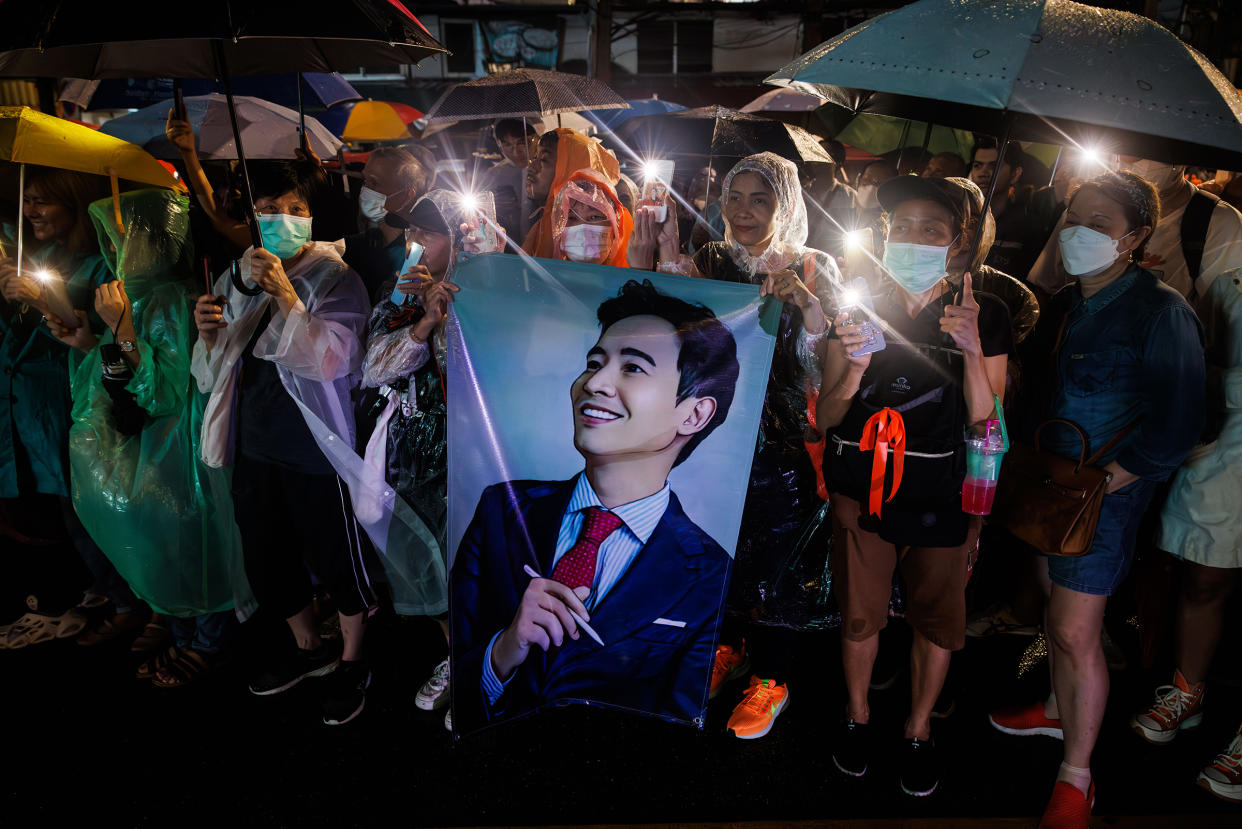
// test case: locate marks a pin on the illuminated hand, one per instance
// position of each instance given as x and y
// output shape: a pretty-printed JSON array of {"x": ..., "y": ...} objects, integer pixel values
[
  {"x": 961, "y": 322},
  {"x": 542, "y": 620}
]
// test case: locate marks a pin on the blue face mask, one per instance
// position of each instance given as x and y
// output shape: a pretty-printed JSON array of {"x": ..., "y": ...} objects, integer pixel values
[
  {"x": 917, "y": 268},
  {"x": 284, "y": 235}
]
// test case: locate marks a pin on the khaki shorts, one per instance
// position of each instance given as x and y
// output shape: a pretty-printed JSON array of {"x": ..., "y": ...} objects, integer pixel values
[{"x": 935, "y": 577}]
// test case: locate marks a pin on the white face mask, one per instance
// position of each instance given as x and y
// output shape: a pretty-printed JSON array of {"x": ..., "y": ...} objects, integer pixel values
[
  {"x": 917, "y": 268},
  {"x": 371, "y": 204},
  {"x": 1162, "y": 176},
  {"x": 1086, "y": 252},
  {"x": 867, "y": 197},
  {"x": 587, "y": 243}
]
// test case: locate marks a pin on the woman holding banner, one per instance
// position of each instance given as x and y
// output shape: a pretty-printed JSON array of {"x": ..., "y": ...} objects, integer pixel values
[
  {"x": 765, "y": 244},
  {"x": 945, "y": 356}
]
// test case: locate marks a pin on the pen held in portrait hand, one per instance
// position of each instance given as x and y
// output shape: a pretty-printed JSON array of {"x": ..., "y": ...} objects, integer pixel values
[{"x": 530, "y": 571}]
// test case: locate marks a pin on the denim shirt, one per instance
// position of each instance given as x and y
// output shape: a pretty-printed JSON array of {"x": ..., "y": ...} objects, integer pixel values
[{"x": 1132, "y": 353}]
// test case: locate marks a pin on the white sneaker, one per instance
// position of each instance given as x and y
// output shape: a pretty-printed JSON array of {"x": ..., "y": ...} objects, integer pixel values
[
  {"x": 435, "y": 691},
  {"x": 448, "y": 719}
]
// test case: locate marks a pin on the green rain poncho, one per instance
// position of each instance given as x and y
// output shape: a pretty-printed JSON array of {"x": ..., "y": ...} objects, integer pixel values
[{"x": 162, "y": 517}]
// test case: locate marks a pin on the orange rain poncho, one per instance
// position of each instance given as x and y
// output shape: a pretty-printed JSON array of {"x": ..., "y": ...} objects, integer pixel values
[
  {"x": 574, "y": 152},
  {"x": 588, "y": 187}
]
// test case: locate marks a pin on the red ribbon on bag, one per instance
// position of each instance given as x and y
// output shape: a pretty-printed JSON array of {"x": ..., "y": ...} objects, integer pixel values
[{"x": 884, "y": 430}]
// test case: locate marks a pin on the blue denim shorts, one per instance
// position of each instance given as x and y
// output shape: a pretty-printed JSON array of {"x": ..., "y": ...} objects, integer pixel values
[{"x": 1102, "y": 570}]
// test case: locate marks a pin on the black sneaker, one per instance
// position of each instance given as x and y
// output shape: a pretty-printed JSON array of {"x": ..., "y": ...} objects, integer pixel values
[
  {"x": 297, "y": 667},
  {"x": 850, "y": 751},
  {"x": 346, "y": 692},
  {"x": 920, "y": 768}
]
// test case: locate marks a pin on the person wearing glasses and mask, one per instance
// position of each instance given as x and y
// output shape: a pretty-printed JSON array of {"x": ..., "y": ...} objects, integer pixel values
[
  {"x": 946, "y": 356},
  {"x": 393, "y": 181}
]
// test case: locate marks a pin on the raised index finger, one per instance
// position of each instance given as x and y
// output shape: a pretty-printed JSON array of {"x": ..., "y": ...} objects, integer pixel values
[{"x": 968, "y": 294}]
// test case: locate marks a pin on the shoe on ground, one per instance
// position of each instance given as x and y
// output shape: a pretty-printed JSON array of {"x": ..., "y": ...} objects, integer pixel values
[
  {"x": 997, "y": 619},
  {"x": 1026, "y": 721},
  {"x": 1223, "y": 777},
  {"x": 122, "y": 624},
  {"x": 730, "y": 664},
  {"x": 30, "y": 629},
  {"x": 920, "y": 768},
  {"x": 762, "y": 702},
  {"x": 1113, "y": 654},
  {"x": 448, "y": 720},
  {"x": 435, "y": 691},
  {"x": 850, "y": 749},
  {"x": 1178, "y": 707},
  {"x": 300, "y": 665},
  {"x": 1068, "y": 808},
  {"x": 345, "y": 692}
]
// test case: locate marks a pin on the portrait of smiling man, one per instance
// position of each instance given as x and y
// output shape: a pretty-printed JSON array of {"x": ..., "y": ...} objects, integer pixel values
[{"x": 600, "y": 588}]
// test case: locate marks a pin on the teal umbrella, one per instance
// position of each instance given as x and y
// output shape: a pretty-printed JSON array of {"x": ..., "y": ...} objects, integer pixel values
[
  {"x": 1041, "y": 70},
  {"x": 881, "y": 134}
]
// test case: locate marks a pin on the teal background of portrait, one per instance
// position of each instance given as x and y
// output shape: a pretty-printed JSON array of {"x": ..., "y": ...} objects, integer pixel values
[{"x": 518, "y": 336}]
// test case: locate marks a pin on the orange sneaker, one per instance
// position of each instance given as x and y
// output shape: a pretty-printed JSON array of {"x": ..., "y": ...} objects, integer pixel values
[
  {"x": 1067, "y": 808},
  {"x": 762, "y": 703},
  {"x": 1026, "y": 721},
  {"x": 1178, "y": 707},
  {"x": 730, "y": 664}
]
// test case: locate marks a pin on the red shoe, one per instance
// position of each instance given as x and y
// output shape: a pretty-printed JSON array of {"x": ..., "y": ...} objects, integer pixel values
[
  {"x": 1067, "y": 808},
  {"x": 1026, "y": 721}
]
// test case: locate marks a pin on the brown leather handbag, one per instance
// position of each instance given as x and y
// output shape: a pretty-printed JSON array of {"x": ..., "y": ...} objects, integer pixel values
[{"x": 1049, "y": 501}]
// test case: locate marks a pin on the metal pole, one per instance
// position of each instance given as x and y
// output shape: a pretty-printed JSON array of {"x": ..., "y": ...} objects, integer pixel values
[
  {"x": 987, "y": 200},
  {"x": 21, "y": 213},
  {"x": 302, "y": 117},
  {"x": 256, "y": 237}
]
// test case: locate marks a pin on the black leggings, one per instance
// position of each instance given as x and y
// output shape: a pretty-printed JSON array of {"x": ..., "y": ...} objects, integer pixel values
[{"x": 291, "y": 521}]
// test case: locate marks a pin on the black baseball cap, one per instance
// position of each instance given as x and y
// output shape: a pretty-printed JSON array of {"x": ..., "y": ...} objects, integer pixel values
[{"x": 907, "y": 188}]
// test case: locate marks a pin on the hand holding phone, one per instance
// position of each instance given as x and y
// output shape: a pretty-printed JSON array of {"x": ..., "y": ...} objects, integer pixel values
[
  {"x": 854, "y": 300},
  {"x": 412, "y": 258},
  {"x": 656, "y": 178}
]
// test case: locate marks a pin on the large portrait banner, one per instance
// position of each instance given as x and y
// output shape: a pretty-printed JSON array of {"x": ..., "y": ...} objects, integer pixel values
[{"x": 602, "y": 424}]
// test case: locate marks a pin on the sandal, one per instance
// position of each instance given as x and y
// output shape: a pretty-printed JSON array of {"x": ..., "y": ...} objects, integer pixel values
[
  {"x": 72, "y": 622},
  {"x": 189, "y": 666},
  {"x": 30, "y": 629},
  {"x": 148, "y": 670},
  {"x": 153, "y": 637}
]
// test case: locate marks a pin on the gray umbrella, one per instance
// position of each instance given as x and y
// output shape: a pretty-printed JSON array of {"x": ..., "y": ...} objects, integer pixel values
[
  {"x": 1043, "y": 70},
  {"x": 523, "y": 93}
]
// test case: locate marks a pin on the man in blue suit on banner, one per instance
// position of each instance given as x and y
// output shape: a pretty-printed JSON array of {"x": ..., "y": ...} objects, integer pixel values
[{"x": 618, "y": 551}]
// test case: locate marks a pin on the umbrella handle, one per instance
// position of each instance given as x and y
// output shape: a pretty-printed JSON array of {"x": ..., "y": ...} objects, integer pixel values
[{"x": 235, "y": 275}]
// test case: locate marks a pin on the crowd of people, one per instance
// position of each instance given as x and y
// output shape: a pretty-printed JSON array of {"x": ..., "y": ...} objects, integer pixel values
[{"x": 213, "y": 447}]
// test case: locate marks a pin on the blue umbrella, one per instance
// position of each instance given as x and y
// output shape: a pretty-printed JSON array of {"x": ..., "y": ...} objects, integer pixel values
[
  {"x": 1041, "y": 70},
  {"x": 319, "y": 89},
  {"x": 610, "y": 119}
]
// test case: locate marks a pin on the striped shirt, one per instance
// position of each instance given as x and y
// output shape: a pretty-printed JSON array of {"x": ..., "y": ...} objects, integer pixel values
[{"x": 616, "y": 553}]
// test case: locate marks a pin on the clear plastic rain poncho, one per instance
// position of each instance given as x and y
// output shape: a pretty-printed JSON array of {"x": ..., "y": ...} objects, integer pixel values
[
  {"x": 163, "y": 518},
  {"x": 587, "y": 189},
  {"x": 408, "y": 447},
  {"x": 790, "y": 220},
  {"x": 318, "y": 353}
]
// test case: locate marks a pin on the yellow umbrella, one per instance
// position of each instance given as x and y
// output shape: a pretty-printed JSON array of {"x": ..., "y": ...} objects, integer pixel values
[
  {"x": 372, "y": 121},
  {"x": 30, "y": 137}
]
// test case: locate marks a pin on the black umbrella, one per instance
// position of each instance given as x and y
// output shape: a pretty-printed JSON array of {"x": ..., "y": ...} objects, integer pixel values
[
  {"x": 523, "y": 93},
  {"x": 715, "y": 132},
  {"x": 146, "y": 38}
]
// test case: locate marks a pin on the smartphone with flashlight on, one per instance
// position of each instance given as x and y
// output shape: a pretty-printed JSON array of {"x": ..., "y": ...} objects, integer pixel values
[
  {"x": 480, "y": 209},
  {"x": 859, "y": 252},
  {"x": 412, "y": 258},
  {"x": 56, "y": 298},
  {"x": 656, "y": 178},
  {"x": 854, "y": 299}
]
